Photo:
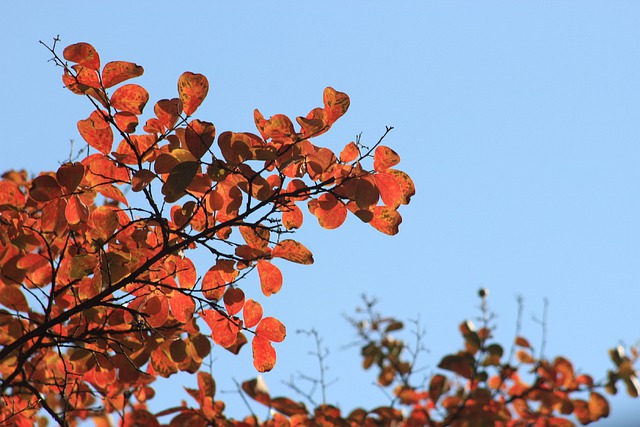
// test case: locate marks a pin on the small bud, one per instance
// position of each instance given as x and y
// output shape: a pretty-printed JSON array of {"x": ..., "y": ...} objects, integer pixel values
[{"x": 483, "y": 292}]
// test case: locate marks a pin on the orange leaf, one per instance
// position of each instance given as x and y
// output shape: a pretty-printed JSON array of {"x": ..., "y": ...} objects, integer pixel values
[
  {"x": 335, "y": 104},
  {"x": 114, "y": 193},
  {"x": 384, "y": 158},
  {"x": 264, "y": 355},
  {"x": 131, "y": 98},
  {"x": 118, "y": 71},
  {"x": 224, "y": 330},
  {"x": 270, "y": 277},
  {"x": 522, "y": 342},
  {"x": 76, "y": 212},
  {"x": 390, "y": 190},
  {"x": 233, "y": 300},
  {"x": 192, "y": 88},
  {"x": 126, "y": 121},
  {"x": 386, "y": 220},
  {"x": 182, "y": 306},
  {"x": 141, "y": 179},
  {"x": 291, "y": 216},
  {"x": 436, "y": 387},
  {"x": 252, "y": 313},
  {"x": 292, "y": 251},
  {"x": 598, "y": 406},
  {"x": 199, "y": 136},
  {"x": 168, "y": 111},
  {"x": 330, "y": 211},
  {"x": 216, "y": 279},
  {"x": 83, "y": 54},
  {"x": 97, "y": 132},
  {"x": 271, "y": 329},
  {"x": 13, "y": 298},
  {"x": 350, "y": 153},
  {"x": 10, "y": 194}
]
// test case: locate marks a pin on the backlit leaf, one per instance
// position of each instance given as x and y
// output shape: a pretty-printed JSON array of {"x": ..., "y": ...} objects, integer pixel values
[
  {"x": 384, "y": 158},
  {"x": 270, "y": 277},
  {"x": 13, "y": 298},
  {"x": 390, "y": 191},
  {"x": 10, "y": 194},
  {"x": 141, "y": 179},
  {"x": 522, "y": 342},
  {"x": 271, "y": 329},
  {"x": 437, "y": 387},
  {"x": 76, "y": 211},
  {"x": 350, "y": 153},
  {"x": 217, "y": 278},
  {"x": 335, "y": 104},
  {"x": 131, "y": 98},
  {"x": 182, "y": 306},
  {"x": 292, "y": 251},
  {"x": 386, "y": 220},
  {"x": 97, "y": 132},
  {"x": 83, "y": 54},
  {"x": 264, "y": 355},
  {"x": 192, "y": 88},
  {"x": 224, "y": 330},
  {"x": 292, "y": 217},
  {"x": 330, "y": 211},
  {"x": 118, "y": 71},
  {"x": 252, "y": 313}
]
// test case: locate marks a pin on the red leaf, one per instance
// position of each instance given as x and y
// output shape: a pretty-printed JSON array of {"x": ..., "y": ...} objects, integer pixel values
[
  {"x": 217, "y": 278},
  {"x": 141, "y": 179},
  {"x": 233, "y": 300},
  {"x": 182, "y": 306},
  {"x": 598, "y": 406},
  {"x": 44, "y": 188},
  {"x": 10, "y": 194},
  {"x": 118, "y": 71},
  {"x": 384, "y": 158},
  {"x": 113, "y": 192},
  {"x": 292, "y": 251},
  {"x": 330, "y": 211},
  {"x": 366, "y": 192},
  {"x": 131, "y": 98},
  {"x": 192, "y": 88},
  {"x": 270, "y": 277},
  {"x": 264, "y": 355},
  {"x": 83, "y": 54},
  {"x": 271, "y": 329},
  {"x": 252, "y": 313},
  {"x": 13, "y": 298},
  {"x": 224, "y": 330},
  {"x": 76, "y": 212},
  {"x": 70, "y": 175},
  {"x": 257, "y": 390},
  {"x": 97, "y": 132}
]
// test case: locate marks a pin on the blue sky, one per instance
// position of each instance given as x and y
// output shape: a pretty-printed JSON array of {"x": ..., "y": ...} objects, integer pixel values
[{"x": 518, "y": 122}]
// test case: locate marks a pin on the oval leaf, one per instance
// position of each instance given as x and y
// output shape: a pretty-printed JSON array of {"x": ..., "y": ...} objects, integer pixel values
[
  {"x": 118, "y": 71},
  {"x": 192, "y": 88}
]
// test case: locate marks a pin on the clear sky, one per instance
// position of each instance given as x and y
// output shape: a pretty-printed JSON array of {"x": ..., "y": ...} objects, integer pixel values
[{"x": 518, "y": 121}]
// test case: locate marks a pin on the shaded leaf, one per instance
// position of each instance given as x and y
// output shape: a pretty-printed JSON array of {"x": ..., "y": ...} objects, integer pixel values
[
  {"x": 233, "y": 300},
  {"x": 168, "y": 111},
  {"x": 462, "y": 364},
  {"x": 179, "y": 179},
  {"x": 199, "y": 136},
  {"x": 44, "y": 188},
  {"x": 141, "y": 179}
]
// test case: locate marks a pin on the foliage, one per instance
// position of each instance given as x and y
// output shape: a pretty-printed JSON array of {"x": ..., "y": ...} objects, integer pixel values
[{"x": 101, "y": 297}]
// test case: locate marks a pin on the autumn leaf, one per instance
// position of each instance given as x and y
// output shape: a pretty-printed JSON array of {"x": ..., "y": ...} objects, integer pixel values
[
  {"x": 252, "y": 313},
  {"x": 119, "y": 71},
  {"x": 330, "y": 211},
  {"x": 292, "y": 251},
  {"x": 131, "y": 98},
  {"x": 384, "y": 158},
  {"x": 45, "y": 188},
  {"x": 233, "y": 300},
  {"x": 271, "y": 329},
  {"x": 97, "y": 132},
  {"x": 264, "y": 355},
  {"x": 84, "y": 54},
  {"x": 192, "y": 88},
  {"x": 270, "y": 277},
  {"x": 179, "y": 179}
]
